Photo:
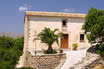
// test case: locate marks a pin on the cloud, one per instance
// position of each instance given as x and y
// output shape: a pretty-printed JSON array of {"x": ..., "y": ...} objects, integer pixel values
[
  {"x": 24, "y": 7},
  {"x": 69, "y": 10}
]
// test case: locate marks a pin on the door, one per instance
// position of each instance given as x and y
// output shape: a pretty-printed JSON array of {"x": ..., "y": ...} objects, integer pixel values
[{"x": 64, "y": 41}]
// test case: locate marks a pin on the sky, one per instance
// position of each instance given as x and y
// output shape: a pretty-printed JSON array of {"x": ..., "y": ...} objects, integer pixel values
[{"x": 12, "y": 11}]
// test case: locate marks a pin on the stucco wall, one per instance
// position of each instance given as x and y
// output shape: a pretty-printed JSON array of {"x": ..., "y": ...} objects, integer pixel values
[
  {"x": 36, "y": 24},
  {"x": 75, "y": 28}
]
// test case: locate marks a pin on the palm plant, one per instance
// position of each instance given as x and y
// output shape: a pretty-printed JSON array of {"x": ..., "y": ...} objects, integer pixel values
[{"x": 49, "y": 36}]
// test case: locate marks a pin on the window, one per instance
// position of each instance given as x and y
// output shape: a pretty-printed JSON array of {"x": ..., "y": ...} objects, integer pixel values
[
  {"x": 81, "y": 37},
  {"x": 64, "y": 23}
]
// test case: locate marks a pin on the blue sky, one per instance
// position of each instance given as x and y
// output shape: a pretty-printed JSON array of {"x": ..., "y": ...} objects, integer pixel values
[{"x": 12, "y": 11}]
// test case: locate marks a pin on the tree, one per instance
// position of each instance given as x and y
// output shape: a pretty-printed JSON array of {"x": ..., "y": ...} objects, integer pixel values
[
  {"x": 94, "y": 25},
  {"x": 94, "y": 28},
  {"x": 6, "y": 42},
  {"x": 10, "y": 51},
  {"x": 18, "y": 45},
  {"x": 49, "y": 36}
]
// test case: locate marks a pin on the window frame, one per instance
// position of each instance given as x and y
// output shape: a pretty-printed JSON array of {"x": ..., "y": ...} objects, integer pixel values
[
  {"x": 82, "y": 39},
  {"x": 64, "y": 21}
]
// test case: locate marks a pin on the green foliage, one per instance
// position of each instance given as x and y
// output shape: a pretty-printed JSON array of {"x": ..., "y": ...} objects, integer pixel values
[
  {"x": 75, "y": 45},
  {"x": 10, "y": 52},
  {"x": 49, "y": 36},
  {"x": 100, "y": 50},
  {"x": 24, "y": 68},
  {"x": 6, "y": 42},
  {"x": 18, "y": 46},
  {"x": 52, "y": 52},
  {"x": 94, "y": 25}
]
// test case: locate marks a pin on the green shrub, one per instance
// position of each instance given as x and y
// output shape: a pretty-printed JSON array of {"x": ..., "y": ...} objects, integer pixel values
[
  {"x": 102, "y": 54},
  {"x": 75, "y": 46},
  {"x": 6, "y": 42},
  {"x": 18, "y": 45},
  {"x": 100, "y": 50},
  {"x": 25, "y": 68},
  {"x": 10, "y": 51},
  {"x": 47, "y": 52}
]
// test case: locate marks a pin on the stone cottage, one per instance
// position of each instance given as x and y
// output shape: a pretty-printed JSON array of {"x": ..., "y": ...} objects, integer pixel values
[{"x": 68, "y": 23}]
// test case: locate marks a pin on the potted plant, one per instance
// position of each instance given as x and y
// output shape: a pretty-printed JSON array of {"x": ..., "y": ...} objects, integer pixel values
[
  {"x": 49, "y": 36},
  {"x": 61, "y": 51},
  {"x": 75, "y": 46}
]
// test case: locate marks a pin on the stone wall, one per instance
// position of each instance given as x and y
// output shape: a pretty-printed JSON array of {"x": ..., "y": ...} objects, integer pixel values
[{"x": 48, "y": 61}]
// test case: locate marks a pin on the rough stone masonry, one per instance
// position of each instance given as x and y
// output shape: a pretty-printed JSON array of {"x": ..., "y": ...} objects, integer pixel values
[{"x": 47, "y": 61}]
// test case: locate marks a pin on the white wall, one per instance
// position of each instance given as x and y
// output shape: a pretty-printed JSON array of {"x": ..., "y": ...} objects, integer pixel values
[
  {"x": 36, "y": 24},
  {"x": 75, "y": 28}
]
